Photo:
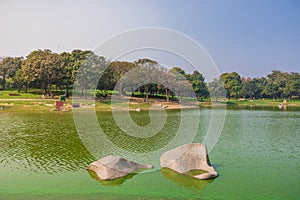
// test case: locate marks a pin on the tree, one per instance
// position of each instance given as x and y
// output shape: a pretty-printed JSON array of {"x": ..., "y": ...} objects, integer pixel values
[
  {"x": 216, "y": 89},
  {"x": 149, "y": 69},
  {"x": 8, "y": 68},
  {"x": 253, "y": 88},
  {"x": 197, "y": 81},
  {"x": 71, "y": 62},
  {"x": 168, "y": 80},
  {"x": 43, "y": 66},
  {"x": 66, "y": 79},
  {"x": 117, "y": 70},
  {"x": 148, "y": 76},
  {"x": 232, "y": 83},
  {"x": 260, "y": 84},
  {"x": 276, "y": 82},
  {"x": 248, "y": 88},
  {"x": 26, "y": 75},
  {"x": 18, "y": 78},
  {"x": 91, "y": 69},
  {"x": 180, "y": 82},
  {"x": 292, "y": 89},
  {"x": 179, "y": 73}
]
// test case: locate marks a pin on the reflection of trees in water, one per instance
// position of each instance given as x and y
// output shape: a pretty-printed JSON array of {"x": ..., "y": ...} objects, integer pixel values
[
  {"x": 185, "y": 179},
  {"x": 42, "y": 142}
]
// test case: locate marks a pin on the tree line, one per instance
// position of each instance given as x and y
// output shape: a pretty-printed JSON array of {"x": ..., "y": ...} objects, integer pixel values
[
  {"x": 47, "y": 70},
  {"x": 277, "y": 84}
]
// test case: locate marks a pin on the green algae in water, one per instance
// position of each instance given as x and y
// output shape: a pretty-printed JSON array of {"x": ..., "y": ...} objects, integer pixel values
[{"x": 42, "y": 157}]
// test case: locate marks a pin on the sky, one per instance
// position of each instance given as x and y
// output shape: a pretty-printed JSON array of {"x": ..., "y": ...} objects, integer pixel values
[{"x": 251, "y": 37}]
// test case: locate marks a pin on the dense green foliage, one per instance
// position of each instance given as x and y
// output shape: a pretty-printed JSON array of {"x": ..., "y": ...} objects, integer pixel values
[
  {"x": 276, "y": 85},
  {"x": 83, "y": 70}
]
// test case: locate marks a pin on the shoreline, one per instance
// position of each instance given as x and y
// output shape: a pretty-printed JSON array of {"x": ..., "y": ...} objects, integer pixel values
[{"x": 48, "y": 105}]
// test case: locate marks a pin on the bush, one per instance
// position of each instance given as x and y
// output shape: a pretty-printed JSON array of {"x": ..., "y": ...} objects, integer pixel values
[{"x": 100, "y": 94}]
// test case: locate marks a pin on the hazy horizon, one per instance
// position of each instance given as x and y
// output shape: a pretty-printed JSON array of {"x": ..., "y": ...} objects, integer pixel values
[{"x": 249, "y": 37}]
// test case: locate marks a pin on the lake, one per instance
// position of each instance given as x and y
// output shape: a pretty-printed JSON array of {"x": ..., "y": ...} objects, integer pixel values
[{"x": 257, "y": 157}]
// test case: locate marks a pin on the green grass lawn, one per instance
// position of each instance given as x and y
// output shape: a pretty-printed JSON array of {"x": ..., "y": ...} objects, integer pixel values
[
  {"x": 31, "y": 94},
  {"x": 33, "y": 98},
  {"x": 262, "y": 102}
]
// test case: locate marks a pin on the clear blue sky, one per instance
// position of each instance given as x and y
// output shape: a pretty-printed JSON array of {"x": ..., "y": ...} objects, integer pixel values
[{"x": 251, "y": 37}]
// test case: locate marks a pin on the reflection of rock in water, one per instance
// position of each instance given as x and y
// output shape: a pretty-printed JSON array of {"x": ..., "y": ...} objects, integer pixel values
[
  {"x": 113, "y": 182},
  {"x": 185, "y": 179}
]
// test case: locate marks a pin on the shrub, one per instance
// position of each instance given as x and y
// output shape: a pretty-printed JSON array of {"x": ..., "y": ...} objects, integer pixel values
[{"x": 100, "y": 94}]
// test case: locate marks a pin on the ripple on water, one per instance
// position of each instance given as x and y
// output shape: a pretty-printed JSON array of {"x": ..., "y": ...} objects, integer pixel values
[
  {"x": 39, "y": 142},
  {"x": 257, "y": 157}
]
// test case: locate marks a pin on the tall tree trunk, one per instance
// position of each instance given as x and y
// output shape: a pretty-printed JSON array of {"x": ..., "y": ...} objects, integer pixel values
[
  {"x": 19, "y": 87},
  {"x": 147, "y": 92},
  {"x": 120, "y": 90},
  {"x": 49, "y": 91},
  {"x": 167, "y": 95},
  {"x": 45, "y": 91},
  {"x": 67, "y": 92},
  {"x": 26, "y": 87},
  {"x": 4, "y": 81},
  {"x": 84, "y": 93}
]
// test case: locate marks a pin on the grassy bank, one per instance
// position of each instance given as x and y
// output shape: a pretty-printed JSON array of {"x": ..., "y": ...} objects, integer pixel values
[
  {"x": 32, "y": 101},
  {"x": 38, "y": 105},
  {"x": 263, "y": 102},
  {"x": 31, "y": 94}
]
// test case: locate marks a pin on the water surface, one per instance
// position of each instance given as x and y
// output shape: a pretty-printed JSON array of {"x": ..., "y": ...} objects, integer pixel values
[{"x": 257, "y": 157}]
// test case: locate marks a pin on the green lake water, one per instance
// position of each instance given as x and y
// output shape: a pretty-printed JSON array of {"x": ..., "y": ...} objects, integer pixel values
[{"x": 257, "y": 157}]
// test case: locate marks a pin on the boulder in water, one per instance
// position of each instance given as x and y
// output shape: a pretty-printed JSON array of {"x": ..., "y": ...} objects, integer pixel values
[
  {"x": 189, "y": 157},
  {"x": 112, "y": 167}
]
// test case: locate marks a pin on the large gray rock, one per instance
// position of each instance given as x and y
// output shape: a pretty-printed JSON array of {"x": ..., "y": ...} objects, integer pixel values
[
  {"x": 189, "y": 157},
  {"x": 112, "y": 167}
]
